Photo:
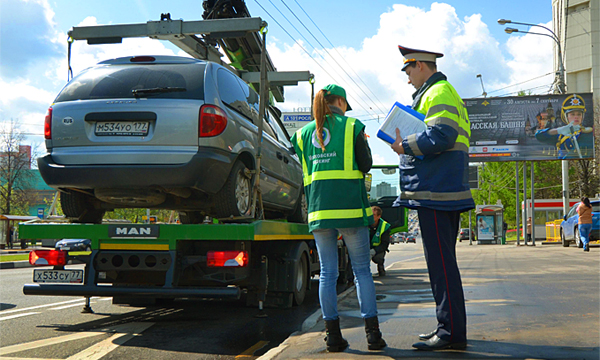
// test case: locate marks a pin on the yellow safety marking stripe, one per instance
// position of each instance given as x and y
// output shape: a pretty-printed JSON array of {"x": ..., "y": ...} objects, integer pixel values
[
  {"x": 283, "y": 237},
  {"x": 163, "y": 247}
]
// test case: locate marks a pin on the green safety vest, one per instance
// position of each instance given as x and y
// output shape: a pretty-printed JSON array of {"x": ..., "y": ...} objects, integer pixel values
[
  {"x": 382, "y": 227},
  {"x": 334, "y": 187}
]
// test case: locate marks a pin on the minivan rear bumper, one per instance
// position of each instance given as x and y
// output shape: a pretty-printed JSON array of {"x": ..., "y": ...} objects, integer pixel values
[{"x": 206, "y": 171}]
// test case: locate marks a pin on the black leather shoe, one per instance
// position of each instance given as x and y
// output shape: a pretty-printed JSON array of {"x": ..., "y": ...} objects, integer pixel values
[
  {"x": 428, "y": 335},
  {"x": 435, "y": 343}
]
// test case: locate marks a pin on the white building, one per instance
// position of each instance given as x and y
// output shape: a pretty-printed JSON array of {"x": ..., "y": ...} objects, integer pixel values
[{"x": 577, "y": 25}]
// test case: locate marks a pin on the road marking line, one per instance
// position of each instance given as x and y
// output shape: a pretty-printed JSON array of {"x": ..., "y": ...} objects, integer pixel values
[
  {"x": 41, "y": 306},
  {"x": 418, "y": 257},
  {"x": 250, "y": 351},
  {"x": 70, "y": 306},
  {"x": 124, "y": 333},
  {"x": 47, "y": 342},
  {"x": 17, "y": 316}
]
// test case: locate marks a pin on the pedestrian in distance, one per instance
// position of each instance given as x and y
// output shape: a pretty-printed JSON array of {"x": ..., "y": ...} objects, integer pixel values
[
  {"x": 528, "y": 230},
  {"x": 335, "y": 156},
  {"x": 434, "y": 168},
  {"x": 584, "y": 210},
  {"x": 379, "y": 232}
]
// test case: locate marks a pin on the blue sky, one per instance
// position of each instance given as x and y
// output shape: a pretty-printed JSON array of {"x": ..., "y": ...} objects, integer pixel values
[{"x": 364, "y": 34}]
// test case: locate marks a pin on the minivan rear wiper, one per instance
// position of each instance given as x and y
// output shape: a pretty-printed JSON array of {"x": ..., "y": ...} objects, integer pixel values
[{"x": 157, "y": 90}]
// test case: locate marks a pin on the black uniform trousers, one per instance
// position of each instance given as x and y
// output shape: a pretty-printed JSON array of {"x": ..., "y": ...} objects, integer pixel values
[{"x": 438, "y": 231}]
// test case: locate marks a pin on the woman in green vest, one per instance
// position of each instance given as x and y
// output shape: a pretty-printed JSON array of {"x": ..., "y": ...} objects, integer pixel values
[{"x": 335, "y": 155}]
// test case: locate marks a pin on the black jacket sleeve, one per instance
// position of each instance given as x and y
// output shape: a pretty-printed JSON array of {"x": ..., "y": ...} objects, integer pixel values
[{"x": 362, "y": 151}]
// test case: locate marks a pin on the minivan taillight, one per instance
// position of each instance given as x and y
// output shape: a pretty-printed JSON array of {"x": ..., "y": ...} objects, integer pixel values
[
  {"x": 212, "y": 121},
  {"x": 48, "y": 124}
]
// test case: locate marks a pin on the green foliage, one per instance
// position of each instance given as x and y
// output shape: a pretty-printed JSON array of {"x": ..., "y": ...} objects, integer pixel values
[{"x": 135, "y": 215}]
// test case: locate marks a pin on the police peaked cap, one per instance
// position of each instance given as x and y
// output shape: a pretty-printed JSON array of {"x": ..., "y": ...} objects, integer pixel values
[{"x": 414, "y": 55}]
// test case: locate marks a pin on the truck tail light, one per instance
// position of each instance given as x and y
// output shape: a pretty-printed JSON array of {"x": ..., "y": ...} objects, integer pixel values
[
  {"x": 47, "y": 257},
  {"x": 212, "y": 121},
  {"x": 48, "y": 124},
  {"x": 233, "y": 258}
]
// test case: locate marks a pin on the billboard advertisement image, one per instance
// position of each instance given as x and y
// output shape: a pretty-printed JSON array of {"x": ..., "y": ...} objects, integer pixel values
[{"x": 525, "y": 128}]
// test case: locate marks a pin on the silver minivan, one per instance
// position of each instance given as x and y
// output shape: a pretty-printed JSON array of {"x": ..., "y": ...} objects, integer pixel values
[{"x": 166, "y": 132}]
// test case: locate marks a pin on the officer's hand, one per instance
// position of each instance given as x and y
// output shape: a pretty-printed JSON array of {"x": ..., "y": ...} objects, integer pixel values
[
  {"x": 397, "y": 145},
  {"x": 567, "y": 129},
  {"x": 372, "y": 252}
]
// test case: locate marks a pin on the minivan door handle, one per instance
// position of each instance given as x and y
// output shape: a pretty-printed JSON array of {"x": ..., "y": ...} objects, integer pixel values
[
  {"x": 279, "y": 155},
  {"x": 286, "y": 160}
]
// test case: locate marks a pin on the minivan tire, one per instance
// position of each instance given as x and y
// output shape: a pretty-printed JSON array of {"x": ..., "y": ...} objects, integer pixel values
[
  {"x": 78, "y": 207},
  {"x": 235, "y": 198},
  {"x": 300, "y": 214}
]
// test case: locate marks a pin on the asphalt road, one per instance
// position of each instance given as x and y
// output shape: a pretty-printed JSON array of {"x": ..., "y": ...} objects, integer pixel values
[{"x": 50, "y": 327}]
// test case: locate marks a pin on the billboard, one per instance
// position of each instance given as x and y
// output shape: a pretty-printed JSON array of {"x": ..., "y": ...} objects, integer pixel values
[{"x": 525, "y": 128}]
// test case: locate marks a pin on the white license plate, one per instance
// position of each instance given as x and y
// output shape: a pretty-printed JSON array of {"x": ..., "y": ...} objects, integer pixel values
[
  {"x": 58, "y": 276},
  {"x": 122, "y": 128}
]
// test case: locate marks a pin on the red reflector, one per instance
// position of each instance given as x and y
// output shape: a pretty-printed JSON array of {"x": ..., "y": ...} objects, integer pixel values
[
  {"x": 48, "y": 124},
  {"x": 227, "y": 258},
  {"x": 142, "y": 59},
  {"x": 48, "y": 257},
  {"x": 213, "y": 121}
]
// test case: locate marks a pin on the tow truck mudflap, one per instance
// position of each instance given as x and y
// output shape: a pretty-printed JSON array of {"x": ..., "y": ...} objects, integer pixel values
[{"x": 86, "y": 290}]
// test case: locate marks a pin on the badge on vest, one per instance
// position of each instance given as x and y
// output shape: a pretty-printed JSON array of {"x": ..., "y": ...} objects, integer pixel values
[{"x": 326, "y": 138}]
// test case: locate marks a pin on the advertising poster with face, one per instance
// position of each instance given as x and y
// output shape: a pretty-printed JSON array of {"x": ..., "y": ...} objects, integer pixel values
[
  {"x": 525, "y": 128},
  {"x": 485, "y": 227}
]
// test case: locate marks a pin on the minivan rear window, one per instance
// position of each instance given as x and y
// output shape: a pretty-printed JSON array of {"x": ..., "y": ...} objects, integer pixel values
[{"x": 118, "y": 82}]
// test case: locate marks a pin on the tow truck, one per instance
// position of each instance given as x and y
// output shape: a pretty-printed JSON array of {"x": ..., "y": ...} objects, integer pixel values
[{"x": 269, "y": 262}]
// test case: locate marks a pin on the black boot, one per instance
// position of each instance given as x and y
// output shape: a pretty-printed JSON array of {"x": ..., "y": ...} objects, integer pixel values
[
  {"x": 374, "y": 338},
  {"x": 334, "y": 339},
  {"x": 381, "y": 269}
]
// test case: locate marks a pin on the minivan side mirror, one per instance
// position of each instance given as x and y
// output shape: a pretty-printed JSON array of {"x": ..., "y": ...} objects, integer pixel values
[
  {"x": 292, "y": 150},
  {"x": 565, "y": 217}
]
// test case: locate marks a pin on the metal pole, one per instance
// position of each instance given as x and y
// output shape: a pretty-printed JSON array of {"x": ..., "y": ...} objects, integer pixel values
[
  {"x": 565, "y": 186},
  {"x": 517, "y": 204},
  {"x": 532, "y": 208},
  {"x": 470, "y": 229},
  {"x": 525, "y": 201},
  {"x": 261, "y": 118}
]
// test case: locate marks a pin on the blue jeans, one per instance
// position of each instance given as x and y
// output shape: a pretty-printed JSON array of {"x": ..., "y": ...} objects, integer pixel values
[
  {"x": 358, "y": 244},
  {"x": 584, "y": 234}
]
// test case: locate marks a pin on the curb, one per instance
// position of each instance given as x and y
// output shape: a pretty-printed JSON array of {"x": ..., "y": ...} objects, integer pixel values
[
  {"x": 308, "y": 324},
  {"x": 15, "y": 264}
]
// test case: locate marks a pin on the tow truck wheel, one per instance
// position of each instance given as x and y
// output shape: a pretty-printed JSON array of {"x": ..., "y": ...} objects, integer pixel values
[
  {"x": 301, "y": 280},
  {"x": 234, "y": 199},
  {"x": 564, "y": 241},
  {"x": 578, "y": 238}
]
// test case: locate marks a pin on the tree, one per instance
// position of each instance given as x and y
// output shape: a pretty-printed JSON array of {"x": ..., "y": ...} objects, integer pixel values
[{"x": 15, "y": 175}]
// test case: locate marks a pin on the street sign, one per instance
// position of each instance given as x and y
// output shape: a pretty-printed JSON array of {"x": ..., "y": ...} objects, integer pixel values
[{"x": 40, "y": 213}]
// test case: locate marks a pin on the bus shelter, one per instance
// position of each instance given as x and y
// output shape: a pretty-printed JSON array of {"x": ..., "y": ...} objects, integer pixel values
[
  {"x": 8, "y": 230},
  {"x": 489, "y": 221}
]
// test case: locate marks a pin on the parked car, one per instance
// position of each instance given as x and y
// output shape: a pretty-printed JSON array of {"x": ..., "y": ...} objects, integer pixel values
[
  {"x": 74, "y": 245},
  {"x": 569, "y": 231},
  {"x": 464, "y": 234},
  {"x": 411, "y": 238},
  {"x": 166, "y": 132}
]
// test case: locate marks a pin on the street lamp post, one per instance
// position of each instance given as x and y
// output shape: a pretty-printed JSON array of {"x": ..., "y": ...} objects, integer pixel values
[
  {"x": 560, "y": 86},
  {"x": 484, "y": 94}
]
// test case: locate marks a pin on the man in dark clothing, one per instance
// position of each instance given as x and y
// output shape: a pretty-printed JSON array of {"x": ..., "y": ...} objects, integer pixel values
[{"x": 379, "y": 232}]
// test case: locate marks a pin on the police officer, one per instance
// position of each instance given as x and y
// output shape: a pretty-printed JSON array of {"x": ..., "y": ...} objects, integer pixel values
[
  {"x": 379, "y": 232},
  {"x": 434, "y": 180},
  {"x": 335, "y": 155},
  {"x": 573, "y": 139}
]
